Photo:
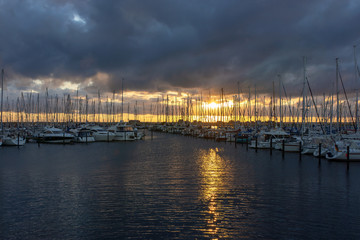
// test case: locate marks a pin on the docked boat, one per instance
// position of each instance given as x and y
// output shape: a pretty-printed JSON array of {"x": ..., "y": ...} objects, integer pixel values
[
  {"x": 54, "y": 135},
  {"x": 139, "y": 135},
  {"x": 264, "y": 138},
  {"x": 311, "y": 144},
  {"x": 221, "y": 137},
  {"x": 83, "y": 135},
  {"x": 309, "y": 149},
  {"x": 102, "y": 135},
  {"x": 13, "y": 140},
  {"x": 324, "y": 151},
  {"x": 345, "y": 152},
  {"x": 326, "y": 143},
  {"x": 354, "y": 155},
  {"x": 122, "y": 132},
  {"x": 291, "y": 145},
  {"x": 243, "y": 138}
]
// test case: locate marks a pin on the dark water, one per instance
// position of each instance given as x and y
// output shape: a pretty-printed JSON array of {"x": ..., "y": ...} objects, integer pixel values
[{"x": 174, "y": 187}]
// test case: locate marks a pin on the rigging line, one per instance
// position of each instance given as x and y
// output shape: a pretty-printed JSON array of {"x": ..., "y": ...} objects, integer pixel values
[
  {"x": 347, "y": 101},
  {"x": 298, "y": 107},
  {"x": 291, "y": 114},
  {"x": 316, "y": 110}
]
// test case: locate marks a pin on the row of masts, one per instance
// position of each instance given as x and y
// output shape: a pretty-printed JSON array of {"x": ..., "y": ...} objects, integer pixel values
[
  {"x": 238, "y": 108},
  {"x": 31, "y": 107}
]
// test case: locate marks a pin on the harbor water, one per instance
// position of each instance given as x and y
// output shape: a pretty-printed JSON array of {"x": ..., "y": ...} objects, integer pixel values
[{"x": 174, "y": 187}]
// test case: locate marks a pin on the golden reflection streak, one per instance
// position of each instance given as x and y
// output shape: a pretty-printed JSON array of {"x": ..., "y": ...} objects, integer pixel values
[{"x": 214, "y": 177}]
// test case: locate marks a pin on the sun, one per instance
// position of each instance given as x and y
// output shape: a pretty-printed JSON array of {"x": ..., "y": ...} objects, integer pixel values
[{"x": 213, "y": 105}]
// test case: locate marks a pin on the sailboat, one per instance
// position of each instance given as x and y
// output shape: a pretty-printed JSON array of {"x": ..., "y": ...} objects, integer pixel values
[{"x": 8, "y": 138}]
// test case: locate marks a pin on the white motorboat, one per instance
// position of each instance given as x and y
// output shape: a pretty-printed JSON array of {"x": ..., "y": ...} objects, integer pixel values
[
  {"x": 83, "y": 135},
  {"x": 122, "y": 132},
  {"x": 54, "y": 135},
  {"x": 102, "y": 135}
]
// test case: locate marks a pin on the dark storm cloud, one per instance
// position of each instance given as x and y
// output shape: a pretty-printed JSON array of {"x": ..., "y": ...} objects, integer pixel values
[{"x": 169, "y": 44}]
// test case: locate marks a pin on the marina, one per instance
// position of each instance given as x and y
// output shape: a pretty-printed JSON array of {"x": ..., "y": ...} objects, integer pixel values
[{"x": 179, "y": 119}]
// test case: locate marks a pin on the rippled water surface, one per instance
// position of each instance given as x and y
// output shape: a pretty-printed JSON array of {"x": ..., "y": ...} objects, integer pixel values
[{"x": 174, "y": 187}]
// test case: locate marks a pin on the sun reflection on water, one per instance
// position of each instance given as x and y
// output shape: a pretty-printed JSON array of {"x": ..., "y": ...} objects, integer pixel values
[{"x": 215, "y": 175}]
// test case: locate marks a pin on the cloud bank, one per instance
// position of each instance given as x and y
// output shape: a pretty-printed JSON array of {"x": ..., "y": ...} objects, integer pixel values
[{"x": 173, "y": 44}]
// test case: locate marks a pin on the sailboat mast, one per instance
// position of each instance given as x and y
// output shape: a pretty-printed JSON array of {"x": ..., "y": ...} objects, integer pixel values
[
  {"x": 122, "y": 100},
  {"x": 280, "y": 103},
  {"x": 255, "y": 111},
  {"x": 2, "y": 96},
  {"x": 331, "y": 109},
  {"x": 337, "y": 95},
  {"x": 357, "y": 92},
  {"x": 304, "y": 99}
]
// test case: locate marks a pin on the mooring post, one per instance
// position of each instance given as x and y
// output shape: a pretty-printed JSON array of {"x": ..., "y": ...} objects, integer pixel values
[
  {"x": 319, "y": 153},
  {"x": 18, "y": 140},
  {"x": 256, "y": 144},
  {"x": 300, "y": 148},
  {"x": 151, "y": 134},
  {"x": 347, "y": 157},
  {"x": 271, "y": 146},
  {"x": 247, "y": 144},
  {"x": 235, "y": 140},
  {"x": 38, "y": 140},
  {"x": 283, "y": 148}
]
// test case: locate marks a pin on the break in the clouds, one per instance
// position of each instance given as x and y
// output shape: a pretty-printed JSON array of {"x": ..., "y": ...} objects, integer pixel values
[{"x": 175, "y": 44}]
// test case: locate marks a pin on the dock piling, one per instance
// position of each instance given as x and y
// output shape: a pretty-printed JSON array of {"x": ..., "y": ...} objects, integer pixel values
[
  {"x": 319, "y": 153},
  {"x": 347, "y": 157},
  {"x": 256, "y": 144}
]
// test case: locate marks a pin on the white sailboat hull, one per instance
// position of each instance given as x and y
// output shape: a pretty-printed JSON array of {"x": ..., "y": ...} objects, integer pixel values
[
  {"x": 291, "y": 147},
  {"x": 354, "y": 155},
  {"x": 13, "y": 141},
  {"x": 309, "y": 150}
]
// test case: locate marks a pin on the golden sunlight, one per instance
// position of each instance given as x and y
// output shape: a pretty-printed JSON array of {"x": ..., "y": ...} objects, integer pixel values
[{"x": 214, "y": 174}]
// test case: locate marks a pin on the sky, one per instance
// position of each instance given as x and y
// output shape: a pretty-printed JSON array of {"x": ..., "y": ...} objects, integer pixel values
[{"x": 175, "y": 45}]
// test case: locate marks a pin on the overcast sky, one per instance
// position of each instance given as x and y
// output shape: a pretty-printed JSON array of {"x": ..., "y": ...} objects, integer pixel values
[{"x": 161, "y": 45}]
